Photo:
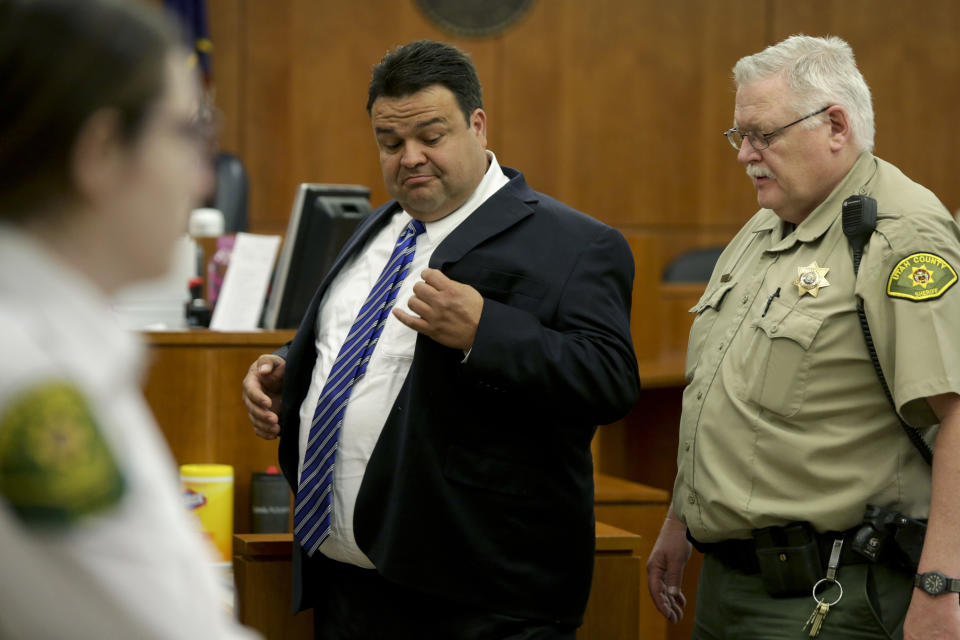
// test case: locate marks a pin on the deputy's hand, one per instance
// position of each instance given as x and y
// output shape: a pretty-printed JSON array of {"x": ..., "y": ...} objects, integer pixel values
[
  {"x": 932, "y": 618},
  {"x": 261, "y": 394},
  {"x": 449, "y": 310},
  {"x": 665, "y": 568}
]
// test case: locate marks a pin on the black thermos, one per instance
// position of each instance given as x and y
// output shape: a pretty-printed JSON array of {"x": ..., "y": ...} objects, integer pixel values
[{"x": 270, "y": 501}]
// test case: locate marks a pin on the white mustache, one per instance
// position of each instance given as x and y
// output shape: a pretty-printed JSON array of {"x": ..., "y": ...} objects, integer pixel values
[{"x": 757, "y": 171}]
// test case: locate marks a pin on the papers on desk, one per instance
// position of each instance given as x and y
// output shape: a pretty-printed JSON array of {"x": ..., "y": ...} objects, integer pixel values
[{"x": 244, "y": 290}]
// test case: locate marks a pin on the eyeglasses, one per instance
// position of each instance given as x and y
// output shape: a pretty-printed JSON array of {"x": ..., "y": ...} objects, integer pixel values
[{"x": 761, "y": 141}]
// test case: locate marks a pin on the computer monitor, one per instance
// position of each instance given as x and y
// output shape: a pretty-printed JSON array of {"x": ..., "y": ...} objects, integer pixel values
[{"x": 323, "y": 217}]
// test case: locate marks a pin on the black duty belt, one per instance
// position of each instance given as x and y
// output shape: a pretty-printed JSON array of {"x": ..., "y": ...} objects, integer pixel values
[{"x": 741, "y": 555}]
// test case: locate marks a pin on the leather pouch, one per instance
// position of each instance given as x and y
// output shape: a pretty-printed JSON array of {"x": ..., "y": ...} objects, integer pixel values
[{"x": 789, "y": 559}]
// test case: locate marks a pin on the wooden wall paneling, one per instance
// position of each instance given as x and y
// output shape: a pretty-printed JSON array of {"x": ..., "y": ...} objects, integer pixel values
[
  {"x": 909, "y": 55},
  {"x": 676, "y": 300},
  {"x": 305, "y": 94},
  {"x": 611, "y": 97},
  {"x": 225, "y": 21},
  {"x": 536, "y": 126},
  {"x": 642, "y": 447},
  {"x": 659, "y": 322},
  {"x": 644, "y": 314},
  {"x": 630, "y": 102},
  {"x": 266, "y": 102},
  {"x": 593, "y": 110},
  {"x": 572, "y": 83},
  {"x": 724, "y": 193},
  {"x": 336, "y": 45}
]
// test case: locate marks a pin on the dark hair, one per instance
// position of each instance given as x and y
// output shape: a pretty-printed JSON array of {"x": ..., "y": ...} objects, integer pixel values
[
  {"x": 415, "y": 66},
  {"x": 60, "y": 62}
]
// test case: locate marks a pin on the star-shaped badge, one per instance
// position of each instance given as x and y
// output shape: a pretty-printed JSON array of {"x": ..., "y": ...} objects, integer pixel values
[
  {"x": 921, "y": 276},
  {"x": 811, "y": 278}
]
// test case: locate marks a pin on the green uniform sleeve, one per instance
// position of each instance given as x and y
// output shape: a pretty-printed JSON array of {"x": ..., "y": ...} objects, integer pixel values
[{"x": 55, "y": 465}]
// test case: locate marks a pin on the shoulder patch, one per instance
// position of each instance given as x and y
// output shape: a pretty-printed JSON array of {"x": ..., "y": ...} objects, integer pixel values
[
  {"x": 55, "y": 465},
  {"x": 921, "y": 276}
]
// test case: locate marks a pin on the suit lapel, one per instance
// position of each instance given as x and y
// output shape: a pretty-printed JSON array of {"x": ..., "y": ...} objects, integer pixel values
[{"x": 502, "y": 210}]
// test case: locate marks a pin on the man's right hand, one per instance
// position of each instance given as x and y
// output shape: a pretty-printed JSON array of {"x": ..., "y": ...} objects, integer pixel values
[
  {"x": 665, "y": 568},
  {"x": 261, "y": 394}
]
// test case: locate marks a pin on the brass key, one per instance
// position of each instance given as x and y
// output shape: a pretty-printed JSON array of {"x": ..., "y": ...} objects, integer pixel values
[{"x": 815, "y": 621}]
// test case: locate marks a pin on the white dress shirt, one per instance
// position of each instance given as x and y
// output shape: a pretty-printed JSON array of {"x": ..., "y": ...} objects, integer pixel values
[{"x": 374, "y": 395}]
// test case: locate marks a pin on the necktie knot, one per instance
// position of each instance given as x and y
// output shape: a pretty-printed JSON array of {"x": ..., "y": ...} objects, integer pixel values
[{"x": 414, "y": 227}]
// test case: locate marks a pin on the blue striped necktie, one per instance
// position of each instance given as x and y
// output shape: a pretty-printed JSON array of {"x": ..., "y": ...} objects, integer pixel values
[{"x": 313, "y": 511}]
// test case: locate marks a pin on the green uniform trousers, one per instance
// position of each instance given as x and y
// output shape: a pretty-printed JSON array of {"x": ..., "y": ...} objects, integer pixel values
[{"x": 732, "y": 605}]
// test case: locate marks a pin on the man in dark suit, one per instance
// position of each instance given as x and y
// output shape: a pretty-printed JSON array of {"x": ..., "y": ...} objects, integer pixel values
[{"x": 459, "y": 499}]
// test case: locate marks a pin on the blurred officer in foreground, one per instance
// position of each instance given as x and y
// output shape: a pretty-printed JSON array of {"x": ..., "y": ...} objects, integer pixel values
[
  {"x": 100, "y": 162},
  {"x": 794, "y": 469}
]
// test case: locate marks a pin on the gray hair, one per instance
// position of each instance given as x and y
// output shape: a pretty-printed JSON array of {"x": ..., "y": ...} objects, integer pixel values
[{"x": 819, "y": 72}]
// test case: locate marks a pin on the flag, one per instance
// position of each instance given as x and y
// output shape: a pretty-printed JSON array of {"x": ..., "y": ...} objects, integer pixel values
[{"x": 192, "y": 15}]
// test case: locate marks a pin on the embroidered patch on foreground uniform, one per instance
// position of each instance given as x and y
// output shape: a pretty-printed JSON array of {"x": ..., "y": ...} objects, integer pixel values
[
  {"x": 55, "y": 466},
  {"x": 921, "y": 276}
]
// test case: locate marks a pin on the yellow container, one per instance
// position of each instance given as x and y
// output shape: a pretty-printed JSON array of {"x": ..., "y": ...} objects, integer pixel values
[{"x": 208, "y": 493}]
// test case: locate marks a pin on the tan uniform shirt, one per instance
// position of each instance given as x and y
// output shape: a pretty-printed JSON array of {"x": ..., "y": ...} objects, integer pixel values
[{"x": 784, "y": 418}]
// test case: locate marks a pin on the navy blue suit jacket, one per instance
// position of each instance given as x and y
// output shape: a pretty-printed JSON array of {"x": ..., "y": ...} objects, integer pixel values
[{"x": 480, "y": 488}]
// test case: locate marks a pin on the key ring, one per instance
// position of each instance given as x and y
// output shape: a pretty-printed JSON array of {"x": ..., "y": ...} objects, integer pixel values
[{"x": 821, "y": 580}]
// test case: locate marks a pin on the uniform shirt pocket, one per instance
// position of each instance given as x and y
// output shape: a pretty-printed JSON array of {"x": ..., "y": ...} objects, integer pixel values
[
  {"x": 706, "y": 310},
  {"x": 781, "y": 351}
]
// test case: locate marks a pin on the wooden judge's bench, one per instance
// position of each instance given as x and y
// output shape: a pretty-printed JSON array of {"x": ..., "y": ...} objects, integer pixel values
[{"x": 194, "y": 389}]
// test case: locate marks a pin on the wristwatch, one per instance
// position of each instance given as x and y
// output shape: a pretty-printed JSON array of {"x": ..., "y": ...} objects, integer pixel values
[{"x": 936, "y": 584}]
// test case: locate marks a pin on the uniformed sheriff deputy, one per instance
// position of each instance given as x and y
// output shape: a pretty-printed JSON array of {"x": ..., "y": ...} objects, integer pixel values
[
  {"x": 786, "y": 434},
  {"x": 100, "y": 162}
]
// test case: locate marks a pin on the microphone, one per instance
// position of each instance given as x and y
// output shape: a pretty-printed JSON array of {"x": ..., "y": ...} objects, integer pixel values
[{"x": 859, "y": 219}]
